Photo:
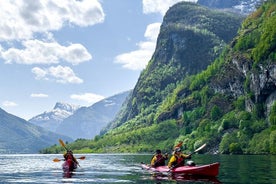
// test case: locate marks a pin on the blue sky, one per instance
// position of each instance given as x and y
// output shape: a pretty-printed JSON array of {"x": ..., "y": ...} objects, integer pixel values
[{"x": 73, "y": 51}]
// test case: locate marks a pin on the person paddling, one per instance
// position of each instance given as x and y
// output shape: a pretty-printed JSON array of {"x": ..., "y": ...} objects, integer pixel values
[
  {"x": 69, "y": 155},
  {"x": 158, "y": 159},
  {"x": 178, "y": 158}
]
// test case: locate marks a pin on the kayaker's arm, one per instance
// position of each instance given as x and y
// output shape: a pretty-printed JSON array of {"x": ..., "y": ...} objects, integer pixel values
[
  {"x": 171, "y": 161},
  {"x": 153, "y": 161}
]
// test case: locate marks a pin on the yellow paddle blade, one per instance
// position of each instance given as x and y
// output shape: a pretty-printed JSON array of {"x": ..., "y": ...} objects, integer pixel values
[
  {"x": 61, "y": 143},
  {"x": 56, "y": 160}
]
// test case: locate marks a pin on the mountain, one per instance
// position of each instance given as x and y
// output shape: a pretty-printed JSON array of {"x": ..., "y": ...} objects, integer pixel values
[
  {"x": 86, "y": 122},
  {"x": 50, "y": 120},
  {"x": 191, "y": 37},
  {"x": 241, "y": 6},
  {"x": 20, "y": 136},
  {"x": 198, "y": 91}
]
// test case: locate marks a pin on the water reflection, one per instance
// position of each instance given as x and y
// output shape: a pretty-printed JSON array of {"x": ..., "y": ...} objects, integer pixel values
[
  {"x": 122, "y": 169},
  {"x": 68, "y": 174},
  {"x": 184, "y": 178}
]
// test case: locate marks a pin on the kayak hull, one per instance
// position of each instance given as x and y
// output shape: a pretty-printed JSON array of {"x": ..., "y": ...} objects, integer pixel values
[{"x": 203, "y": 170}]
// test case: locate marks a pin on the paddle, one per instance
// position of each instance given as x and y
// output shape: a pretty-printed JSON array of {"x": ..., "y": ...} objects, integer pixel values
[
  {"x": 58, "y": 160},
  {"x": 197, "y": 150},
  {"x": 179, "y": 144},
  {"x": 63, "y": 145}
]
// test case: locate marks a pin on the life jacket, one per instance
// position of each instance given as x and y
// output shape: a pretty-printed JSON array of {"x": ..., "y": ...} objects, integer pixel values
[
  {"x": 180, "y": 161},
  {"x": 160, "y": 161}
]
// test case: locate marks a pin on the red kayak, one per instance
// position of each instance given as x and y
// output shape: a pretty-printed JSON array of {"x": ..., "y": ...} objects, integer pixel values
[
  {"x": 203, "y": 170},
  {"x": 69, "y": 165}
]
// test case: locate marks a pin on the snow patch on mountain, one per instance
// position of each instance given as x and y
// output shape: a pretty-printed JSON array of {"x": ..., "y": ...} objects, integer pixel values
[
  {"x": 50, "y": 120},
  {"x": 247, "y": 7}
]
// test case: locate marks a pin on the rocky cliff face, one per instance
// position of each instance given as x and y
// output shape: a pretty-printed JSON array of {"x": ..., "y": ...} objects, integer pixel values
[
  {"x": 262, "y": 82},
  {"x": 191, "y": 37},
  {"x": 250, "y": 70}
]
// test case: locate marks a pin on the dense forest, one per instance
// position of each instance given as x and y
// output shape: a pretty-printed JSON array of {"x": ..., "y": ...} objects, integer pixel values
[{"x": 211, "y": 80}]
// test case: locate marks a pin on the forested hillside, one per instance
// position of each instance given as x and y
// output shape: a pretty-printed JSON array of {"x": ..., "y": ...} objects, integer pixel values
[{"x": 207, "y": 82}]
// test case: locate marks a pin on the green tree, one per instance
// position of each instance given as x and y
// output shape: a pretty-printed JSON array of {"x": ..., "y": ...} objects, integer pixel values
[
  {"x": 272, "y": 142},
  {"x": 272, "y": 115},
  {"x": 215, "y": 113}
]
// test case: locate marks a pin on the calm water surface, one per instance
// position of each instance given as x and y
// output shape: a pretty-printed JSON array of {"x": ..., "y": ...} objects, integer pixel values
[{"x": 125, "y": 168}]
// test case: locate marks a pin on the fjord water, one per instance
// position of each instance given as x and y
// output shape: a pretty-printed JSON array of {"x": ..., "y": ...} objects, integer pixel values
[{"x": 125, "y": 168}]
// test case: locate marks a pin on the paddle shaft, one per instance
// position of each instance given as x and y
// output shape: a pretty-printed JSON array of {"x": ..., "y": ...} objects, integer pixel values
[
  {"x": 63, "y": 145},
  {"x": 58, "y": 160}
]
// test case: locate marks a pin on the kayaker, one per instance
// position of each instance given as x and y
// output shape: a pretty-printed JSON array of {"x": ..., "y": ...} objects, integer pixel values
[
  {"x": 178, "y": 158},
  {"x": 158, "y": 159},
  {"x": 69, "y": 155}
]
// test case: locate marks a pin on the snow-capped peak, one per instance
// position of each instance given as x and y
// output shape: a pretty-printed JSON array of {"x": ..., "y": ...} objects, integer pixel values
[{"x": 61, "y": 111}]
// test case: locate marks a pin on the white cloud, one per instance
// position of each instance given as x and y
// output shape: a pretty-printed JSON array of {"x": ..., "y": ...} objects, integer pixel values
[
  {"x": 138, "y": 59},
  {"x": 39, "y": 95},
  {"x": 20, "y": 20},
  {"x": 30, "y": 23},
  {"x": 9, "y": 104},
  {"x": 153, "y": 6},
  {"x": 59, "y": 73},
  {"x": 87, "y": 97},
  {"x": 39, "y": 52}
]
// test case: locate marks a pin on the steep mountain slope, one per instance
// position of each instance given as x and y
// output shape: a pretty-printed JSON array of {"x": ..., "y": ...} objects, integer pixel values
[
  {"x": 191, "y": 37},
  {"x": 50, "y": 120},
  {"x": 230, "y": 105},
  {"x": 20, "y": 136},
  {"x": 87, "y": 122}
]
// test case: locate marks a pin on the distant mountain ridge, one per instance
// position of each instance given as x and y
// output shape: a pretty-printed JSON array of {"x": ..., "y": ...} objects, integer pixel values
[
  {"x": 50, "y": 120},
  {"x": 87, "y": 122},
  {"x": 241, "y": 6},
  {"x": 20, "y": 136},
  {"x": 80, "y": 122}
]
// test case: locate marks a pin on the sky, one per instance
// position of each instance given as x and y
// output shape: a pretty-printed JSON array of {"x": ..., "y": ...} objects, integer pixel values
[{"x": 73, "y": 51}]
